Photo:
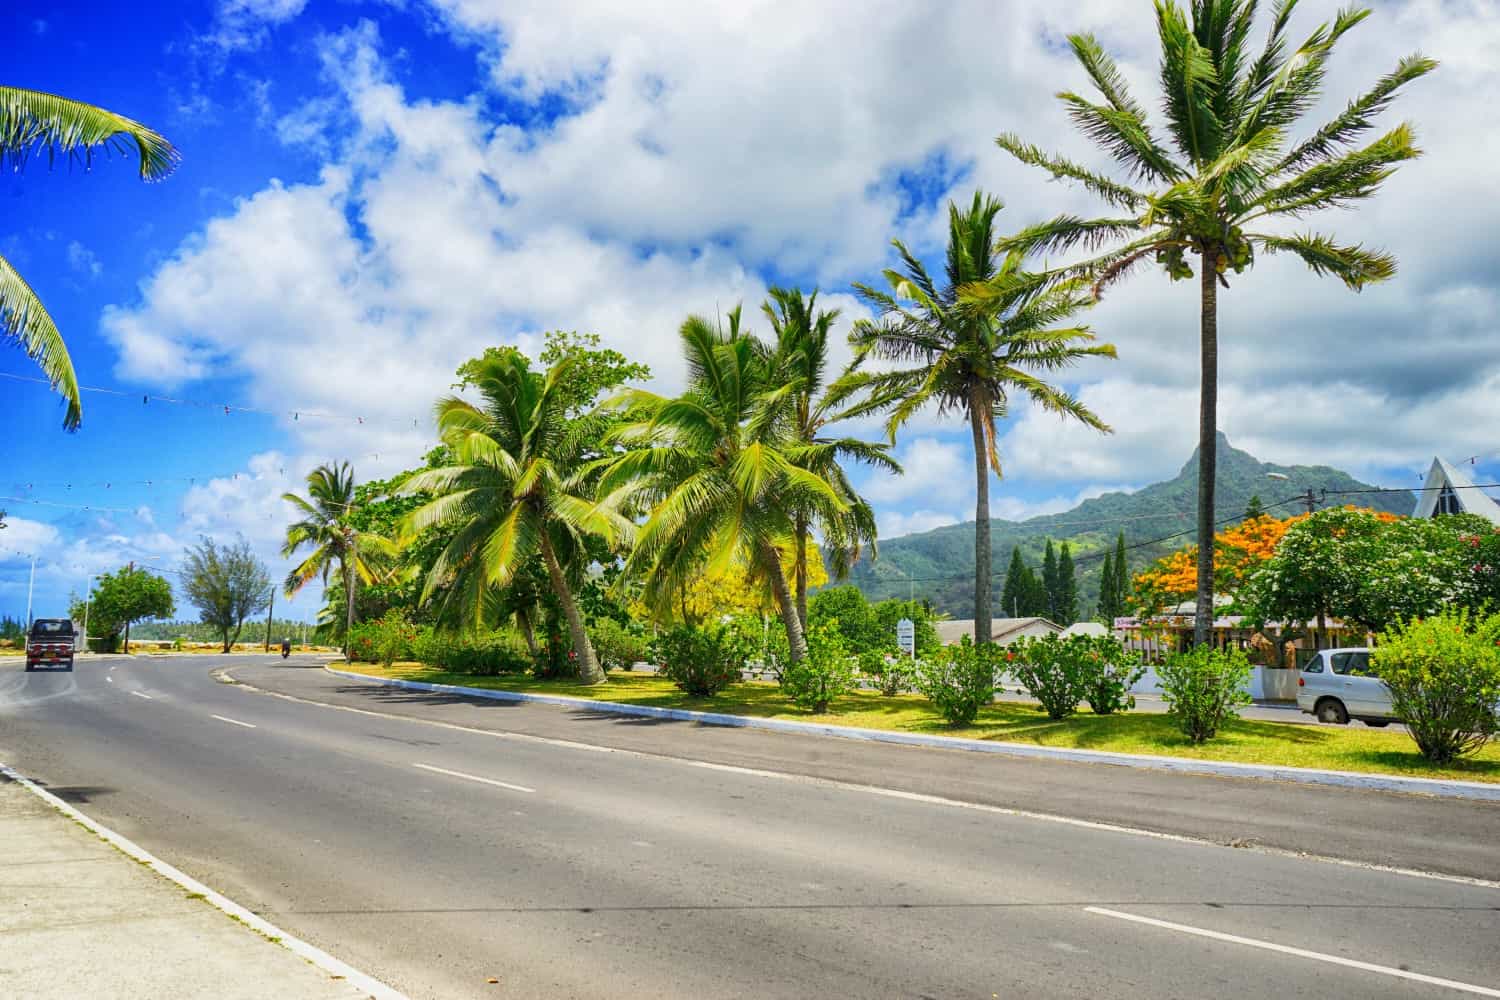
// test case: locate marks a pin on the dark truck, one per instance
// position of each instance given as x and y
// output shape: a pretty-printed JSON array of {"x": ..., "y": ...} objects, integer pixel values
[{"x": 50, "y": 644}]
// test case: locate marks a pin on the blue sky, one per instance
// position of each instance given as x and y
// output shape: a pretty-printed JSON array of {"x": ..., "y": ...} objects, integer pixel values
[{"x": 371, "y": 192}]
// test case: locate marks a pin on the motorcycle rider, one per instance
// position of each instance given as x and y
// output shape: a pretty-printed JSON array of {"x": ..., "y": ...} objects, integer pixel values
[{"x": 286, "y": 648}]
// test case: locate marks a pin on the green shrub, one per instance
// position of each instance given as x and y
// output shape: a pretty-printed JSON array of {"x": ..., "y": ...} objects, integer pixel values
[
  {"x": 701, "y": 661},
  {"x": 1110, "y": 671},
  {"x": 891, "y": 673},
  {"x": 364, "y": 641},
  {"x": 395, "y": 637},
  {"x": 619, "y": 646},
  {"x": 824, "y": 674},
  {"x": 1203, "y": 689},
  {"x": 1052, "y": 671},
  {"x": 1444, "y": 676},
  {"x": 959, "y": 680},
  {"x": 485, "y": 655}
]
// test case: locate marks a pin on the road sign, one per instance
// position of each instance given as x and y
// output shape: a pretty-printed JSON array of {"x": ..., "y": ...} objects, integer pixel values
[{"x": 906, "y": 636}]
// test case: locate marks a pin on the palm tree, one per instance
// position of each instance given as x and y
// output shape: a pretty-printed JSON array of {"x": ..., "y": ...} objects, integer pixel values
[
  {"x": 719, "y": 472},
  {"x": 326, "y": 527},
  {"x": 969, "y": 345},
  {"x": 32, "y": 124},
  {"x": 520, "y": 485},
  {"x": 814, "y": 404},
  {"x": 1230, "y": 115}
]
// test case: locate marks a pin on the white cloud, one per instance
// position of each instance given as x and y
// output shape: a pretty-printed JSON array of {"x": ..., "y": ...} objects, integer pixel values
[
  {"x": 83, "y": 260},
  {"x": 893, "y": 523},
  {"x": 23, "y": 538},
  {"x": 244, "y": 24},
  {"x": 931, "y": 468},
  {"x": 673, "y": 182}
]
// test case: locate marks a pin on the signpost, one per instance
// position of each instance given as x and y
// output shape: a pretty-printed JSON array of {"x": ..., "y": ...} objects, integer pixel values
[{"x": 906, "y": 637}]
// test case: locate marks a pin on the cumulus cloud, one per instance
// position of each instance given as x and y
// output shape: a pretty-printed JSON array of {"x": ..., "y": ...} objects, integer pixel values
[
  {"x": 83, "y": 260},
  {"x": 635, "y": 178}
]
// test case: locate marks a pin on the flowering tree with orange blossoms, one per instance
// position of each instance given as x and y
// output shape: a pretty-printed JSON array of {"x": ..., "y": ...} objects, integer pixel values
[{"x": 1238, "y": 552}]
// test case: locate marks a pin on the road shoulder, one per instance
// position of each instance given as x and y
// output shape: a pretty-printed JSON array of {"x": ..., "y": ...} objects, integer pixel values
[{"x": 81, "y": 918}]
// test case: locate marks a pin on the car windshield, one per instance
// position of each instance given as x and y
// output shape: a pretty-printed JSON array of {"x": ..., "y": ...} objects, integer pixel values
[{"x": 44, "y": 627}]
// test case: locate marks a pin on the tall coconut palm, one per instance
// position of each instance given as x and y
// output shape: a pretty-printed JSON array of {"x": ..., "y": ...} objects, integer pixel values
[
  {"x": 37, "y": 124},
  {"x": 520, "y": 485},
  {"x": 813, "y": 405},
  {"x": 1233, "y": 165},
  {"x": 988, "y": 332},
  {"x": 326, "y": 527},
  {"x": 720, "y": 474}
]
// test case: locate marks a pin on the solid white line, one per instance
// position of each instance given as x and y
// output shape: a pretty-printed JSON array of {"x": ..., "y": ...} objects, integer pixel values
[
  {"x": 139, "y": 695},
  {"x": 475, "y": 777},
  {"x": 1133, "y": 831},
  {"x": 1384, "y": 970},
  {"x": 109, "y": 678},
  {"x": 232, "y": 722},
  {"x": 317, "y": 956}
]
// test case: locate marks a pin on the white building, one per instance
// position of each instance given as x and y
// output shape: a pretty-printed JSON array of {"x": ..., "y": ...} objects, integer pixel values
[{"x": 1449, "y": 491}]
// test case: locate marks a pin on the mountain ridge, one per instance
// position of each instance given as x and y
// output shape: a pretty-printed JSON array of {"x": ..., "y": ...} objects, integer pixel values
[{"x": 939, "y": 564}]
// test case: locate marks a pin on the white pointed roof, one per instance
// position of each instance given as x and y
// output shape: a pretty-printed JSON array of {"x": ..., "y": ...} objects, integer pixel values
[{"x": 1470, "y": 500}]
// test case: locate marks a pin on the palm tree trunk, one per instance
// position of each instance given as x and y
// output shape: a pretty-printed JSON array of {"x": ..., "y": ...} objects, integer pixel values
[
  {"x": 801, "y": 569},
  {"x": 523, "y": 618},
  {"x": 982, "y": 621},
  {"x": 1208, "y": 451},
  {"x": 796, "y": 638},
  {"x": 588, "y": 664}
]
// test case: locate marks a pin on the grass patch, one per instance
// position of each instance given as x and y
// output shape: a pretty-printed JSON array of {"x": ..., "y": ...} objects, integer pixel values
[{"x": 1244, "y": 741}]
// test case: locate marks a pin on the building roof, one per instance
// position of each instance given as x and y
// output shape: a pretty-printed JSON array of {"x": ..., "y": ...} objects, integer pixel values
[
  {"x": 1460, "y": 487},
  {"x": 1085, "y": 628},
  {"x": 1002, "y": 630}
]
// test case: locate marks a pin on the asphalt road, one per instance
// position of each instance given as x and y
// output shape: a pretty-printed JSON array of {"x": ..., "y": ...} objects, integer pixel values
[{"x": 594, "y": 856}]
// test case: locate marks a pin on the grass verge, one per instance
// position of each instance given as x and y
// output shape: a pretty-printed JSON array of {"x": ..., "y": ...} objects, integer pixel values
[{"x": 1245, "y": 741}]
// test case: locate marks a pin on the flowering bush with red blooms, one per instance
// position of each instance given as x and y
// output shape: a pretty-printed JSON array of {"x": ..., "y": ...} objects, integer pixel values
[{"x": 1484, "y": 548}]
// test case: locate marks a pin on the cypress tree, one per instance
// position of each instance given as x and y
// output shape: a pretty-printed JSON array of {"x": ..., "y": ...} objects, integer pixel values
[
  {"x": 1107, "y": 590},
  {"x": 1067, "y": 588},
  {"x": 1122, "y": 576},
  {"x": 1034, "y": 602},
  {"x": 1254, "y": 508},
  {"x": 1014, "y": 595},
  {"x": 1051, "y": 583}
]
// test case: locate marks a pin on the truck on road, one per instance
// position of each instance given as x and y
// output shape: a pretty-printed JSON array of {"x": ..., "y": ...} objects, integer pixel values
[{"x": 50, "y": 643}]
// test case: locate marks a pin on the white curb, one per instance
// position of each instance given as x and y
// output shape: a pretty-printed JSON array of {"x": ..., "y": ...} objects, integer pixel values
[
  {"x": 317, "y": 956},
  {"x": 1484, "y": 791}
]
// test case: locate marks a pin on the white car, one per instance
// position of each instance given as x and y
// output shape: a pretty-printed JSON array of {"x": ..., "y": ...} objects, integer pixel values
[{"x": 1336, "y": 685}]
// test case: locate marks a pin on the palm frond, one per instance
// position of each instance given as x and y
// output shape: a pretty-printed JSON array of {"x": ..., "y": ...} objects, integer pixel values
[
  {"x": 26, "y": 322},
  {"x": 1353, "y": 265},
  {"x": 33, "y": 122}
]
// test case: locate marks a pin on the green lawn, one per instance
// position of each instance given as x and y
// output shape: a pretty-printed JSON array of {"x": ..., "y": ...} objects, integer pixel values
[{"x": 1245, "y": 741}]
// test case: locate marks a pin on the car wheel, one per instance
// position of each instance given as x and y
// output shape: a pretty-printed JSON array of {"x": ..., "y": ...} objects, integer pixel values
[
  {"x": 29, "y": 668},
  {"x": 1377, "y": 723},
  {"x": 1332, "y": 710}
]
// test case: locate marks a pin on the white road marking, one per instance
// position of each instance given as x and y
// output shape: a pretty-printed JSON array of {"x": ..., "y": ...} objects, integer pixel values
[
  {"x": 1318, "y": 956},
  {"x": 475, "y": 777},
  {"x": 334, "y": 967},
  {"x": 892, "y": 792},
  {"x": 139, "y": 695},
  {"x": 232, "y": 722},
  {"x": 109, "y": 678}
]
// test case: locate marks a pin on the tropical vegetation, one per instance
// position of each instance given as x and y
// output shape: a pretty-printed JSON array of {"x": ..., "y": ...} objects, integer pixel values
[
  {"x": 1234, "y": 170},
  {"x": 988, "y": 332}
]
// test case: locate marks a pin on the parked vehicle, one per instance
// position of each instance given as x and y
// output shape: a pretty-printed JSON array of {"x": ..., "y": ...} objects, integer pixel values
[
  {"x": 50, "y": 643},
  {"x": 1336, "y": 685}
]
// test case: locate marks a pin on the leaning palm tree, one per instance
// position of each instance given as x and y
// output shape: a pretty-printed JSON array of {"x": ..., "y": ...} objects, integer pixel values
[
  {"x": 813, "y": 405},
  {"x": 37, "y": 124},
  {"x": 719, "y": 473},
  {"x": 967, "y": 346},
  {"x": 1230, "y": 115},
  {"x": 326, "y": 527},
  {"x": 520, "y": 485}
]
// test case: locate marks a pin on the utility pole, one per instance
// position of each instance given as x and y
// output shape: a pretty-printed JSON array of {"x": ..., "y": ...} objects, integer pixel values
[
  {"x": 88, "y": 599},
  {"x": 29, "y": 586},
  {"x": 269, "y": 609},
  {"x": 129, "y": 572},
  {"x": 1310, "y": 500}
]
